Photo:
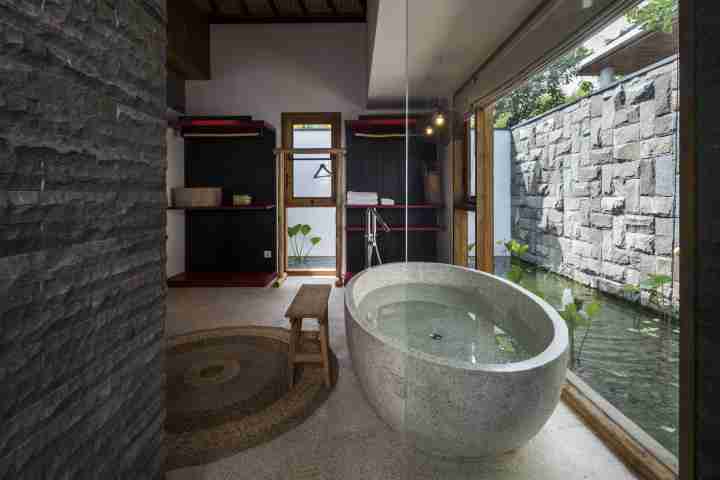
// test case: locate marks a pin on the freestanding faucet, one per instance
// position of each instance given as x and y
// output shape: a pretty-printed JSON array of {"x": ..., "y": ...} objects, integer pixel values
[{"x": 372, "y": 217}]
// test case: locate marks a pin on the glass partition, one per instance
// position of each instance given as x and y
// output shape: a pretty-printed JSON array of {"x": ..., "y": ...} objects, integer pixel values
[{"x": 584, "y": 188}]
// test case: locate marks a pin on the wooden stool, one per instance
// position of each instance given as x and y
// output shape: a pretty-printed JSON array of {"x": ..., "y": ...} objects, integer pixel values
[{"x": 310, "y": 302}]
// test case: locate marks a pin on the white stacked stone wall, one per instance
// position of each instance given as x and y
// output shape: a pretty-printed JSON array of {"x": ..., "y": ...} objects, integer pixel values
[{"x": 594, "y": 183}]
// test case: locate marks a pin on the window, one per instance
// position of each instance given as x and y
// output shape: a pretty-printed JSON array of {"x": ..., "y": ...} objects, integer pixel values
[
  {"x": 471, "y": 158},
  {"x": 310, "y": 177},
  {"x": 310, "y": 193}
]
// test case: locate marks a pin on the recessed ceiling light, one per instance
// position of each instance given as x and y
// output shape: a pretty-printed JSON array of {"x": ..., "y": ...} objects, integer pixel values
[{"x": 587, "y": 4}]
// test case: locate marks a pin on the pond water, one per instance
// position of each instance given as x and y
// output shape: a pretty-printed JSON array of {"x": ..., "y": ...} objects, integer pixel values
[{"x": 629, "y": 356}]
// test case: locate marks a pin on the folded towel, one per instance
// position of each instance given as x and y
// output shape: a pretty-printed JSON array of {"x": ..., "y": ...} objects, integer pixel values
[
  {"x": 361, "y": 194},
  {"x": 362, "y": 198},
  {"x": 387, "y": 201}
]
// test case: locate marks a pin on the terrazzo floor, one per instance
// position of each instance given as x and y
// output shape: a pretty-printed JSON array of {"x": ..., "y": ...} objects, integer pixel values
[{"x": 345, "y": 439}]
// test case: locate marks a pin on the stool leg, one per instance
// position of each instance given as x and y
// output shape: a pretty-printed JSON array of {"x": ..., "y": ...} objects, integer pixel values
[
  {"x": 325, "y": 350},
  {"x": 294, "y": 324}
]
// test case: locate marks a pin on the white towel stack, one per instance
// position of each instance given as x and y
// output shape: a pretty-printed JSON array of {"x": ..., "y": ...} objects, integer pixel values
[
  {"x": 362, "y": 198},
  {"x": 387, "y": 201}
]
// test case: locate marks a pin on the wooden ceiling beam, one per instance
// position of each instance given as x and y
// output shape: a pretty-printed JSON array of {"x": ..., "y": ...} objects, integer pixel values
[
  {"x": 244, "y": 6},
  {"x": 274, "y": 8},
  {"x": 303, "y": 7},
  {"x": 245, "y": 19},
  {"x": 332, "y": 7}
]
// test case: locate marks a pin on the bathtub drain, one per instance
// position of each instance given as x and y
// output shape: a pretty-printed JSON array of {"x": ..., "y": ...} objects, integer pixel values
[{"x": 436, "y": 336}]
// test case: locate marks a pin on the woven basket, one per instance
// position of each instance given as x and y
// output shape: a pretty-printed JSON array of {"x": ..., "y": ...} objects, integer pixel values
[{"x": 196, "y": 197}]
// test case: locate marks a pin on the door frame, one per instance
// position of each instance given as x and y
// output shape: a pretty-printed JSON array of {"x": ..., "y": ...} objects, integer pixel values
[{"x": 335, "y": 119}]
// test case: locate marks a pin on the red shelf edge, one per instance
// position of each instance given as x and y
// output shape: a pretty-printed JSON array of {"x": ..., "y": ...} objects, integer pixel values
[
  {"x": 227, "y": 207},
  {"x": 398, "y": 206},
  {"x": 399, "y": 228}
]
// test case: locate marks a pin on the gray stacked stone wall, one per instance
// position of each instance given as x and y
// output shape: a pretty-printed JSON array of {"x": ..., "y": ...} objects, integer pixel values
[
  {"x": 594, "y": 183},
  {"x": 82, "y": 235}
]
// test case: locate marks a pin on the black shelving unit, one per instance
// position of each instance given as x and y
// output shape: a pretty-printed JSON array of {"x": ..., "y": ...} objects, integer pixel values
[
  {"x": 227, "y": 245},
  {"x": 376, "y": 163}
]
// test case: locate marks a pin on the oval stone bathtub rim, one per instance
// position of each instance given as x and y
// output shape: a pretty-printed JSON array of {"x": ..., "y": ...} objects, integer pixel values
[{"x": 556, "y": 349}]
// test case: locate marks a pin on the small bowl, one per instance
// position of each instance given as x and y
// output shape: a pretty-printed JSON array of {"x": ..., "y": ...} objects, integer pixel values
[{"x": 241, "y": 200}]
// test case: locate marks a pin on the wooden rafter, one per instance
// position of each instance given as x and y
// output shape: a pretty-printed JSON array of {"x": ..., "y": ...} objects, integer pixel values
[
  {"x": 332, "y": 7},
  {"x": 252, "y": 19},
  {"x": 303, "y": 7},
  {"x": 244, "y": 6},
  {"x": 274, "y": 8}
]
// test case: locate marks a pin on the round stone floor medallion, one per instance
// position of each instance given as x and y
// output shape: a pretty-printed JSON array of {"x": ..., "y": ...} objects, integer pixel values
[{"x": 228, "y": 390}]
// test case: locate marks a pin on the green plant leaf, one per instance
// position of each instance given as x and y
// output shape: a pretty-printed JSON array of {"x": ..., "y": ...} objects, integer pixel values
[
  {"x": 592, "y": 309},
  {"x": 515, "y": 274},
  {"x": 653, "y": 282},
  {"x": 582, "y": 319},
  {"x": 315, "y": 240},
  {"x": 305, "y": 229},
  {"x": 569, "y": 314},
  {"x": 292, "y": 231}
]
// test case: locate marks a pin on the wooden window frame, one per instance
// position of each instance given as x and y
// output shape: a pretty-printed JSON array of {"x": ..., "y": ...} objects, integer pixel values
[
  {"x": 483, "y": 202},
  {"x": 288, "y": 120},
  {"x": 338, "y": 192},
  {"x": 484, "y": 190}
]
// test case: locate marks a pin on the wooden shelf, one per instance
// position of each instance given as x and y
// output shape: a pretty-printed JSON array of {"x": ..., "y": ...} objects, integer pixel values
[
  {"x": 399, "y": 228},
  {"x": 222, "y": 279},
  {"x": 259, "y": 206},
  {"x": 398, "y": 206}
]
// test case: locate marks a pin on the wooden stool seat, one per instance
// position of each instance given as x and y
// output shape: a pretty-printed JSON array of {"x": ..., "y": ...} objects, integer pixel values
[{"x": 310, "y": 302}]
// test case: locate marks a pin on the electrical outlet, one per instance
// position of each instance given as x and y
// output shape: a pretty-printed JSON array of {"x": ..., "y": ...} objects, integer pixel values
[{"x": 268, "y": 254}]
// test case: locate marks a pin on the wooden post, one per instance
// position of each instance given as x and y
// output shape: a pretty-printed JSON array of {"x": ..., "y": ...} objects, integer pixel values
[
  {"x": 460, "y": 195},
  {"x": 484, "y": 233},
  {"x": 339, "y": 217},
  {"x": 281, "y": 261},
  {"x": 460, "y": 237}
]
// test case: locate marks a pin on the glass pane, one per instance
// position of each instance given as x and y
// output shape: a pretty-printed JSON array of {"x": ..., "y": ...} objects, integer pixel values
[
  {"x": 311, "y": 238},
  {"x": 312, "y": 177},
  {"x": 312, "y": 173},
  {"x": 471, "y": 247},
  {"x": 472, "y": 145},
  {"x": 595, "y": 203}
]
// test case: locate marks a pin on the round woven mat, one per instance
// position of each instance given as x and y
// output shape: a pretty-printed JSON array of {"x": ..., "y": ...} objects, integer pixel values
[{"x": 228, "y": 390}]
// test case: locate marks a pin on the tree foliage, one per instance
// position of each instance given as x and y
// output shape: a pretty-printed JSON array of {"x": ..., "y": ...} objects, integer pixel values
[
  {"x": 542, "y": 92},
  {"x": 654, "y": 15}
]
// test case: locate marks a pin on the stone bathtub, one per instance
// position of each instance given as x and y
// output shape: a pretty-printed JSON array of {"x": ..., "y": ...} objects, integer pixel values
[{"x": 462, "y": 363}]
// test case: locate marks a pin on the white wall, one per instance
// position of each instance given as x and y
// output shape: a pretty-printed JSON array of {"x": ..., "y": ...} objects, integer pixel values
[
  {"x": 175, "y": 177},
  {"x": 265, "y": 70}
]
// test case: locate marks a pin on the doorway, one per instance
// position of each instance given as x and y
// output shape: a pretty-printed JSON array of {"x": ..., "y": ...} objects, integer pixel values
[{"x": 311, "y": 193}]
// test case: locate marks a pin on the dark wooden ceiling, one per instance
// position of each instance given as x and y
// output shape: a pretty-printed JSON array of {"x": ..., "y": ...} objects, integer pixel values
[{"x": 283, "y": 11}]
